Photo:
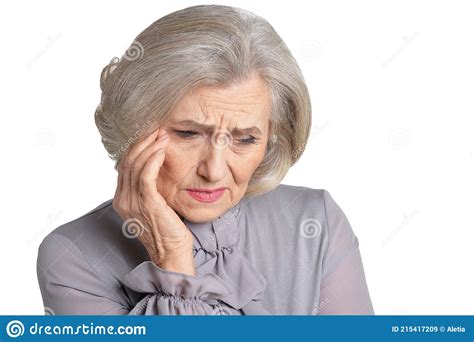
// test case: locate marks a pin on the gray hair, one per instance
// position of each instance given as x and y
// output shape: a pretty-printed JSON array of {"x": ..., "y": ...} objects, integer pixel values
[{"x": 208, "y": 45}]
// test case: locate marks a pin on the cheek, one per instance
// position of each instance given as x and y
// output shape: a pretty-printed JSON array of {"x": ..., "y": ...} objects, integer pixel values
[
  {"x": 178, "y": 161},
  {"x": 255, "y": 158},
  {"x": 244, "y": 165},
  {"x": 173, "y": 172}
]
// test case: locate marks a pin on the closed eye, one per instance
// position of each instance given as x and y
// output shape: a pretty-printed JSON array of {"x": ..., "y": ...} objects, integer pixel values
[
  {"x": 191, "y": 134},
  {"x": 249, "y": 140},
  {"x": 186, "y": 134}
]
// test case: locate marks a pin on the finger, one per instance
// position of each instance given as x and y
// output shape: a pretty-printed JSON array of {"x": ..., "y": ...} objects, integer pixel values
[
  {"x": 128, "y": 158},
  {"x": 149, "y": 176},
  {"x": 127, "y": 195},
  {"x": 140, "y": 161},
  {"x": 139, "y": 146},
  {"x": 138, "y": 166}
]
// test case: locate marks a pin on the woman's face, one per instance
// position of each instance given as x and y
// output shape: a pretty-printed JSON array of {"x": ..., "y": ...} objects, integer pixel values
[{"x": 218, "y": 138}]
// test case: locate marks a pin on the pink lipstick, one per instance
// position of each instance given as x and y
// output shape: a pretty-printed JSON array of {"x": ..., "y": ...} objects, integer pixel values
[{"x": 206, "y": 195}]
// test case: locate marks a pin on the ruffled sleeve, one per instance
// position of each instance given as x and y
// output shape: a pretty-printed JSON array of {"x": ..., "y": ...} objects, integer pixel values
[{"x": 172, "y": 293}]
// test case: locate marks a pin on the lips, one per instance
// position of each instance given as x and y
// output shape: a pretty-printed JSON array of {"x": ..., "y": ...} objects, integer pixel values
[{"x": 205, "y": 195}]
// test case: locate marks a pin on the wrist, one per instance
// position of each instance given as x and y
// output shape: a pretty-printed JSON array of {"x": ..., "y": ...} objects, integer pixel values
[
  {"x": 178, "y": 266},
  {"x": 177, "y": 260}
]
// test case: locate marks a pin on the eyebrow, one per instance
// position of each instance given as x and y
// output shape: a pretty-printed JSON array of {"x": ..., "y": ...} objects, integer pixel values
[{"x": 209, "y": 128}]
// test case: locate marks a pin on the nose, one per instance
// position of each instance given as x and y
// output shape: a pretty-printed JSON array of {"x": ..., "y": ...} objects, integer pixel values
[{"x": 213, "y": 163}]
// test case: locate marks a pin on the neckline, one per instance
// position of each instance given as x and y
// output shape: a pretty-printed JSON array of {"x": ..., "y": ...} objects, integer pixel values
[{"x": 216, "y": 234}]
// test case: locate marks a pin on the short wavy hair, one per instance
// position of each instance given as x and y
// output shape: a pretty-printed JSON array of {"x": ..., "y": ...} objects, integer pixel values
[{"x": 206, "y": 45}]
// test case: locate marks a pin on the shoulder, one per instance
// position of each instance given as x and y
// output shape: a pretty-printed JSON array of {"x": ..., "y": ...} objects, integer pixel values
[
  {"x": 295, "y": 212},
  {"x": 94, "y": 239},
  {"x": 86, "y": 223},
  {"x": 291, "y": 202},
  {"x": 286, "y": 215}
]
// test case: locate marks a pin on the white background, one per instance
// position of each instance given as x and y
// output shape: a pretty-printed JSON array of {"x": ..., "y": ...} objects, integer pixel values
[{"x": 391, "y": 85}]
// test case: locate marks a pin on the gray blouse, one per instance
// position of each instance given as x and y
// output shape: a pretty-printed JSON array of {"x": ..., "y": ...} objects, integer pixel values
[{"x": 290, "y": 251}]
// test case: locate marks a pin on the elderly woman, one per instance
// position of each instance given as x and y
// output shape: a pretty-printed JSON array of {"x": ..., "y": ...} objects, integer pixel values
[{"x": 204, "y": 115}]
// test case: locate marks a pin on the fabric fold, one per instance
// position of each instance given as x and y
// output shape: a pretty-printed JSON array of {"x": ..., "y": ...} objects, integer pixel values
[
  {"x": 246, "y": 284},
  {"x": 224, "y": 276},
  {"x": 150, "y": 278}
]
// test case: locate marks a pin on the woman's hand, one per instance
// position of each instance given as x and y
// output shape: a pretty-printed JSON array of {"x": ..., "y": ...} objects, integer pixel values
[{"x": 137, "y": 200}]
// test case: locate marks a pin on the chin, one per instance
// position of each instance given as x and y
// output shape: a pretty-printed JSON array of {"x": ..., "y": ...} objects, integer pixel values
[
  {"x": 199, "y": 216},
  {"x": 202, "y": 212},
  {"x": 199, "y": 212}
]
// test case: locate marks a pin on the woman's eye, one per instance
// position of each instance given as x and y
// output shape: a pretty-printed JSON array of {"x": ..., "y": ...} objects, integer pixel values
[
  {"x": 186, "y": 134},
  {"x": 191, "y": 134},
  {"x": 248, "y": 140}
]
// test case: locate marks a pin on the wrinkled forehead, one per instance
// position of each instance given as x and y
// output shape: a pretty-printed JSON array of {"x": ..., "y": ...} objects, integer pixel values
[{"x": 246, "y": 103}]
